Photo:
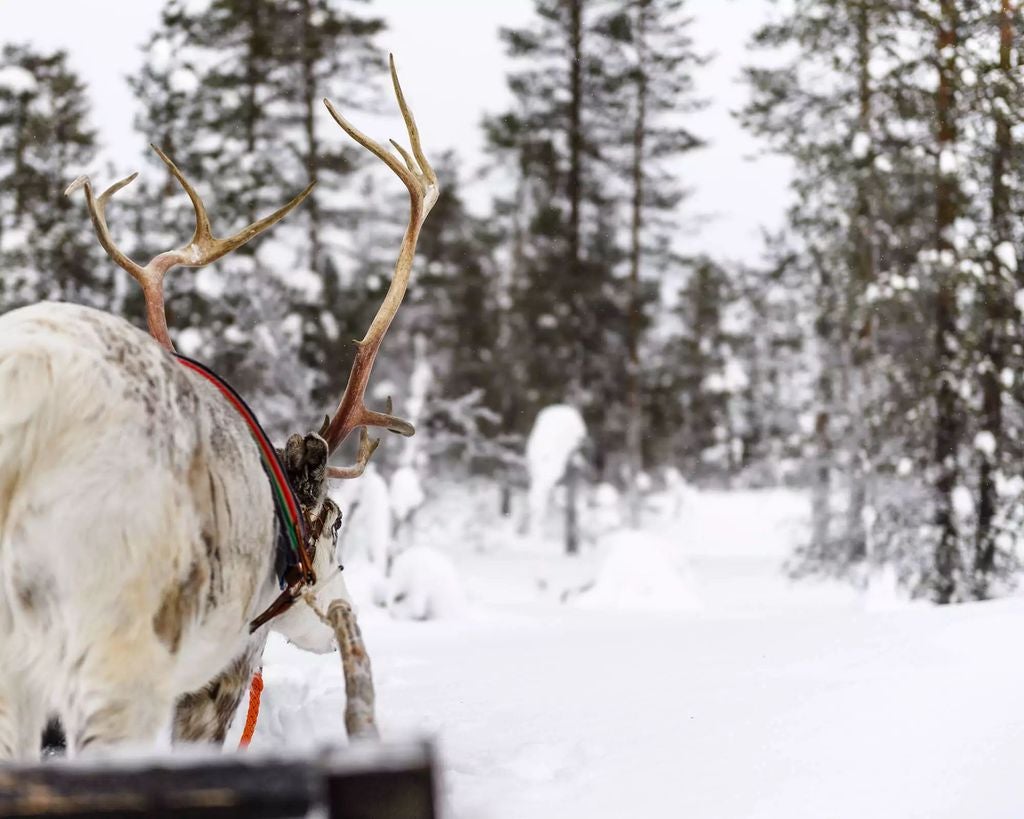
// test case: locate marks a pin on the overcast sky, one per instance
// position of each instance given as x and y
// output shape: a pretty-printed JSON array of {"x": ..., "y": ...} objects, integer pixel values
[{"x": 453, "y": 71}]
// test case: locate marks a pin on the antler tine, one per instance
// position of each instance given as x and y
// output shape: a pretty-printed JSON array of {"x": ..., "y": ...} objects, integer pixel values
[
  {"x": 421, "y": 181},
  {"x": 367, "y": 446},
  {"x": 202, "y": 249},
  {"x": 202, "y": 230},
  {"x": 414, "y": 134},
  {"x": 150, "y": 280},
  {"x": 97, "y": 206}
]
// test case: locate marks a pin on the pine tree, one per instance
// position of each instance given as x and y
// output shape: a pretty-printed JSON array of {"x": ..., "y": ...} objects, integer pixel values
[
  {"x": 46, "y": 252},
  {"x": 691, "y": 389},
  {"x": 1000, "y": 337},
  {"x": 455, "y": 300},
  {"x": 652, "y": 85},
  {"x": 906, "y": 177},
  {"x": 563, "y": 292},
  {"x": 232, "y": 90},
  {"x": 852, "y": 231}
]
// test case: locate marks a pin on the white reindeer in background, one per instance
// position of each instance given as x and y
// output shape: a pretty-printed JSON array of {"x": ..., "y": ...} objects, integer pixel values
[{"x": 138, "y": 533}]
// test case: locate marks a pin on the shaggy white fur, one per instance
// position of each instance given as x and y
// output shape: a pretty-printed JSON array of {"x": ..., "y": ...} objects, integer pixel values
[{"x": 137, "y": 533}]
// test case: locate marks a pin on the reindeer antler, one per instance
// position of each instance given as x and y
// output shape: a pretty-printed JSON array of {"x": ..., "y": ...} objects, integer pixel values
[
  {"x": 421, "y": 181},
  {"x": 202, "y": 249}
]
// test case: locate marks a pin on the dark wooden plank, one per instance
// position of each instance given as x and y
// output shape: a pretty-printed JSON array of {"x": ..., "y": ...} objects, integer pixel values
[{"x": 378, "y": 781}]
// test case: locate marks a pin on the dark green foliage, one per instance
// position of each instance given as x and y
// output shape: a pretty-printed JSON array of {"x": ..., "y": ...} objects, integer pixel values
[{"x": 587, "y": 226}]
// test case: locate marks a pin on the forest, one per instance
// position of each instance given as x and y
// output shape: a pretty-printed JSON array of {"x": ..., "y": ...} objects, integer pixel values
[{"x": 873, "y": 357}]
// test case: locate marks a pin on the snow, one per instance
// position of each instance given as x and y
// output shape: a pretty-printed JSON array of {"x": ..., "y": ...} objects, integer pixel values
[
  {"x": 189, "y": 341},
  {"x": 366, "y": 507},
  {"x": 985, "y": 443},
  {"x": 1007, "y": 255},
  {"x": 963, "y": 502},
  {"x": 861, "y": 145},
  {"x": 640, "y": 573},
  {"x": 773, "y": 699},
  {"x": 406, "y": 492},
  {"x": 557, "y": 433},
  {"x": 16, "y": 79},
  {"x": 424, "y": 585},
  {"x": 183, "y": 81},
  {"x": 947, "y": 162},
  {"x": 209, "y": 283}
]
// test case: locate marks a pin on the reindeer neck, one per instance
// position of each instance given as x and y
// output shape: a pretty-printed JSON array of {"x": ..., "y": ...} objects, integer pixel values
[{"x": 291, "y": 524}]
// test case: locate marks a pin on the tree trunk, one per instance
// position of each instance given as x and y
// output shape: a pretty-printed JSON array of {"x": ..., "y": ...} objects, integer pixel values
[
  {"x": 947, "y": 429},
  {"x": 821, "y": 494},
  {"x": 1000, "y": 311},
  {"x": 572, "y": 527},
  {"x": 252, "y": 81},
  {"x": 312, "y": 148},
  {"x": 574, "y": 182},
  {"x": 20, "y": 146},
  {"x": 574, "y": 193},
  {"x": 862, "y": 342},
  {"x": 634, "y": 430}
]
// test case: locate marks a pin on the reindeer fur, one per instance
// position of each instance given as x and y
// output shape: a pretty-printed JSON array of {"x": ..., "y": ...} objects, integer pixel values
[{"x": 137, "y": 539}]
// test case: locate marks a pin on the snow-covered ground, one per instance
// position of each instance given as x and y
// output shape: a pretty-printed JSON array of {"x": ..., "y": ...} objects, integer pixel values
[{"x": 706, "y": 684}]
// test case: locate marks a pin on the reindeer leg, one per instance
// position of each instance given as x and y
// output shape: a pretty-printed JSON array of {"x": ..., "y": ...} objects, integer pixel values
[
  {"x": 118, "y": 692},
  {"x": 105, "y": 715},
  {"x": 21, "y": 721},
  {"x": 205, "y": 715}
]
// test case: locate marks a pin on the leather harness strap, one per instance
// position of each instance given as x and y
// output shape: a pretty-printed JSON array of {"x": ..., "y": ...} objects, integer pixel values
[{"x": 297, "y": 535}]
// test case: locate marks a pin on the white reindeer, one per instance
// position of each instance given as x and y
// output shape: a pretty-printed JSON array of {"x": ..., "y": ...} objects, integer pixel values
[{"x": 138, "y": 534}]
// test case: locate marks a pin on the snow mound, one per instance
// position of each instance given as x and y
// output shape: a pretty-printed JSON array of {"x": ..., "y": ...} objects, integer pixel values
[
  {"x": 425, "y": 585},
  {"x": 556, "y": 435},
  {"x": 640, "y": 572},
  {"x": 366, "y": 518},
  {"x": 406, "y": 492},
  {"x": 367, "y": 584}
]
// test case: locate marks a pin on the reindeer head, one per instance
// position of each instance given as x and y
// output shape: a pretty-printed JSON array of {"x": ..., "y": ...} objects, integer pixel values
[{"x": 305, "y": 456}]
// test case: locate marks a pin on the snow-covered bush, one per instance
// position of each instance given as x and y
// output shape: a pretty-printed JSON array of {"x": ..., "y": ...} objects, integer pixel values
[
  {"x": 366, "y": 519},
  {"x": 425, "y": 585},
  {"x": 557, "y": 434},
  {"x": 641, "y": 571}
]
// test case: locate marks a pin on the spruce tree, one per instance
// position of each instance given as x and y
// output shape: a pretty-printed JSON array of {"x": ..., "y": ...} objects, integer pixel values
[
  {"x": 567, "y": 318},
  {"x": 851, "y": 232},
  {"x": 907, "y": 173},
  {"x": 232, "y": 90},
  {"x": 46, "y": 252},
  {"x": 651, "y": 83}
]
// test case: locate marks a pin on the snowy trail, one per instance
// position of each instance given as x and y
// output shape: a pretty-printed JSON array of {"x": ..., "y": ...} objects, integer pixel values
[{"x": 757, "y": 706}]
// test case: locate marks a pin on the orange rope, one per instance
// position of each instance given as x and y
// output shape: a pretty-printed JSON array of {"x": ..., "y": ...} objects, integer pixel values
[{"x": 255, "y": 690}]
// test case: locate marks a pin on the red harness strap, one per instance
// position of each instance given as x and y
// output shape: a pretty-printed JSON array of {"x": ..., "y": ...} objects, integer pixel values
[{"x": 253, "y": 714}]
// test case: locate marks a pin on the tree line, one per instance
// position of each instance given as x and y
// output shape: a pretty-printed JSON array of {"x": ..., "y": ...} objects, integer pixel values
[{"x": 873, "y": 355}]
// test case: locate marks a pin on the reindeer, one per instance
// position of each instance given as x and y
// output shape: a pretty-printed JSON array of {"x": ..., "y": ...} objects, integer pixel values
[{"x": 139, "y": 540}]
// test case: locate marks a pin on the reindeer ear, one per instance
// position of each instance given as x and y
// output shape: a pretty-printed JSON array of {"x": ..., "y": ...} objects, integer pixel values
[
  {"x": 316, "y": 454},
  {"x": 294, "y": 453}
]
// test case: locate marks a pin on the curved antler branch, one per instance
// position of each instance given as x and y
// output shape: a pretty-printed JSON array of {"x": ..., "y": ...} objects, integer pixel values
[
  {"x": 367, "y": 446},
  {"x": 202, "y": 249},
  {"x": 415, "y": 171}
]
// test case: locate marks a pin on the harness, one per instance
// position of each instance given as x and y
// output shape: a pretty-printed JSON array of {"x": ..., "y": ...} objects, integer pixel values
[{"x": 297, "y": 533}]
